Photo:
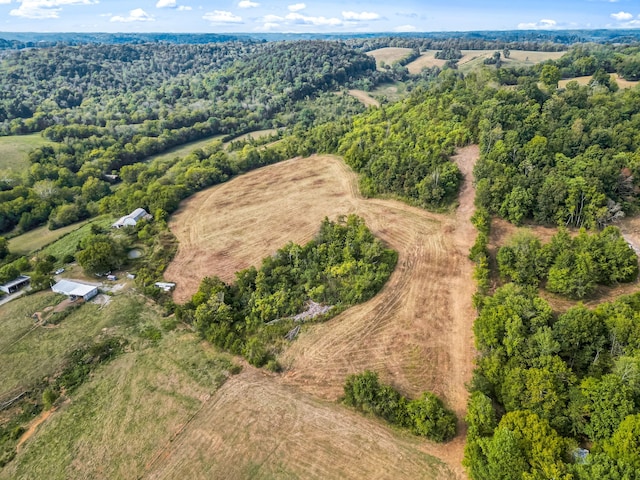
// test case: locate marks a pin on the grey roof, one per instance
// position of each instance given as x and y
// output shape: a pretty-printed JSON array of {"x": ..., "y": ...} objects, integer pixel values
[
  {"x": 72, "y": 288},
  {"x": 17, "y": 281}
]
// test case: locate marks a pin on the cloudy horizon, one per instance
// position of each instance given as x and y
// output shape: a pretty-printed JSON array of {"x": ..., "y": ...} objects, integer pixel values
[{"x": 276, "y": 16}]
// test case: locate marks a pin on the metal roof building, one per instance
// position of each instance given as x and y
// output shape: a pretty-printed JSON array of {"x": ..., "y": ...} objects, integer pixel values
[
  {"x": 15, "y": 284},
  {"x": 73, "y": 289}
]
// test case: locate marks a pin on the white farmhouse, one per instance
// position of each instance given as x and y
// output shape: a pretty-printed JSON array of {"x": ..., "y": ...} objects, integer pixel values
[{"x": 132, "y": 219}]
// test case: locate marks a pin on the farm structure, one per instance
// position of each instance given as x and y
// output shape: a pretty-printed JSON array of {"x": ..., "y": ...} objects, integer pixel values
[
  {"x": 132, "y": 219},
  {"x": 15, "y": 284},
  {"x": 75, "y": 290}
]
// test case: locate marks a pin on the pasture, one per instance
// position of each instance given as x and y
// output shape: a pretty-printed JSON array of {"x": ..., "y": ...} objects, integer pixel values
[
  {"x": 622, "y": 83},
  {"x": 388, "y": 55},
  {"x": 14, "y": 150},
  {"x": 416, "y": 333}
]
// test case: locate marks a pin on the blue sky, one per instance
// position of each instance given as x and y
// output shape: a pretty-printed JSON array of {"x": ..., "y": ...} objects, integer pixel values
[{"x": 222, "y": 16}]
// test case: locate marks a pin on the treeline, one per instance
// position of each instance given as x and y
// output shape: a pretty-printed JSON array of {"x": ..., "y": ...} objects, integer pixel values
[
  {"x": 426, "y": 416},
  {"x": 344, "y": 265},
  {"x": 546, "y": 384},
  {"x": 569, "y": 266},
  {"x": 559, "y": 157}
]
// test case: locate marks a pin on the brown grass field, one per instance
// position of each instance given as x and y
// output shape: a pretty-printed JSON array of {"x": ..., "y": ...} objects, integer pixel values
[
  {"x": 417, "y": 333},
  {"x": 622, "y": 83},
  {"x": 256, "y": 427},
  {"x": 366, "y": 99},
  {"x": 475, "y": 58},
  {"x": 389, "y": 55}
]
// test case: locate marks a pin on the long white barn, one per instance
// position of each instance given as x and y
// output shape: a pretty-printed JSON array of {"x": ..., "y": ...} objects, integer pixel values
[{"x": 75, "y": 290}]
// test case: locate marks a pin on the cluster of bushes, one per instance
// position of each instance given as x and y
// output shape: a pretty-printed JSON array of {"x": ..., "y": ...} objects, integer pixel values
[
  {"x": 344, "y": 265},
  {"x": 426, "y": 416},
  {"x": 569, "y": 266}
]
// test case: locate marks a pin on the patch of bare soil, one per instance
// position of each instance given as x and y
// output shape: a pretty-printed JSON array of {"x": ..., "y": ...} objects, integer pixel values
[
  {"x": 33, "y": 426},
  {"x": 257, "y": 427},
  {"x": 366, "y": 99},
  {"x": 417, "y": 332}
]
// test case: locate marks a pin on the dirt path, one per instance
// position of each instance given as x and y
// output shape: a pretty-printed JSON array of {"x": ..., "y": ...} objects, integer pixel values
[
  {"x": 416, "y": 333},
  {"x": 33, "y": 426}
]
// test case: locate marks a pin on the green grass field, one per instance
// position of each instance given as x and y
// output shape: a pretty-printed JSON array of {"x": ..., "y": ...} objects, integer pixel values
[
  {"x": 130, "y": 409},
  {"x": 28, "y": 355},
  {"x": 14, "y": 150},
  {"x": 184, "y": 150},
  {"x": 42, "y": 237},
  {"x": 392, "y": 91}
]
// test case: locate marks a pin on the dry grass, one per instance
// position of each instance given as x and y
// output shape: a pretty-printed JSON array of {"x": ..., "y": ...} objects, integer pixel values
[
  {"x": 475, "y": 58},
  {"x": 366, "y": 99},
  {"x": 255, "y": 427},
  {"x": 417, "y": 333},
  {"x": 257, "y": 134},
  {"x": 426, "y": 60},
  {"x": 389, "y": 55},
  {"x": 622, "y": 83}
]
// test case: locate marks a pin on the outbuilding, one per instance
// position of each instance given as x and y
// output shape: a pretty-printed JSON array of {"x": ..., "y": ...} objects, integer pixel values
[
  {"x": 74, "y": 289},
  {"x": 16, "y": 284},
  {"x": 132, "y": 219}
]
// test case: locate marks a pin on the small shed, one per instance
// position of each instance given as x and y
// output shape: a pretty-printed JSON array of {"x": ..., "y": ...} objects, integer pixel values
[
  {"x": 74, "y": 289},
  {"x": 132, "y": 219},
  {"x": 16, "y": 284}
]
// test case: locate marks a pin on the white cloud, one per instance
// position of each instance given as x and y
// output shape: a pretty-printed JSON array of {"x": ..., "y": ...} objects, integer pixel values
[
  {"x": 362, "y": 16},
  {"x": 621, "y": 16},
  {"x": 183, "y": 8},
  {"x": 296, "y": 7},
  {"x": 544, "y": 24},
  {"x": 136, "y": 15},
  {"x": 248, "y": 4},
  {"x": 221, "y": 16},
  {"x": 4, "y": 1},
  {"x": 300, "y": 19},
  {"x": 44, "y": 8},
  {"x": 166, "y": 4},
  {"x": 405, "y": 28},
  {"x": 267, "y": 26},
  {"x": 272, "y": 19}
]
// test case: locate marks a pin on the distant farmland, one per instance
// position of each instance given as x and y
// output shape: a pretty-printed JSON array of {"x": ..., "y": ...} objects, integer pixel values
[{"x": 14, "y": 150}]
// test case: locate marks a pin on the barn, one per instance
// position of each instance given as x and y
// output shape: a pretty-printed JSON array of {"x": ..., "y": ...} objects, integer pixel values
[
  {"x": 75, "y": 290},
  {"x": 132, "y": 219}
]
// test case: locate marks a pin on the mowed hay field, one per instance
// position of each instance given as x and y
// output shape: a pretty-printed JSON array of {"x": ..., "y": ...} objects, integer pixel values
[
  {"x": 389, "y": 55},
  {"x": 255, "y": 427},
  {"x": 622, "y": 83},
  {"x": 475, "y": 58},
  {"x": 417, "y": 333}
]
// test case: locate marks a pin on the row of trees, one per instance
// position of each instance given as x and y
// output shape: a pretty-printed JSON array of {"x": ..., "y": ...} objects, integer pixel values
[{"x": 426, "y": 416}]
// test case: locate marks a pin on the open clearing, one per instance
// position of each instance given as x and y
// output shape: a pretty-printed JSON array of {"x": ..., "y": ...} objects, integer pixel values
[
  {"x": 622, "y": 83},
  {"x": 389, "y": 55},
  {"x": 14, "y": 150},
  {"x": 255, "y": 427},
  {"x": 366, "y": 99},
  {"x": 417, "y": 333},
  {"x": 475, "y": 58}
]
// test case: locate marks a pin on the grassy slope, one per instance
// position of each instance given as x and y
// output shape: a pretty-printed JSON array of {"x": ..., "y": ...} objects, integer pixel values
[
  {"x": 14, "y": 150},
  {"x": 27, "y": 354},
  {"x": 131, "y": 408}
]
